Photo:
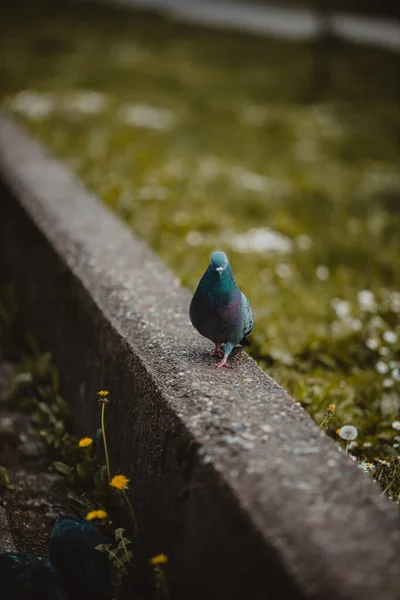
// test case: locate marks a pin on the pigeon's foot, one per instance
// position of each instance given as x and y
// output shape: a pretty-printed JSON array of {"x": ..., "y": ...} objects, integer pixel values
[
  {"x": 218, "y": 351},
  {"x": 223, "y": 363}
]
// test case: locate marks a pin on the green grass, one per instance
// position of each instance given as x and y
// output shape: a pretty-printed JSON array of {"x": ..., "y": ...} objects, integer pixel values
[{"x": 240, "y": 133}]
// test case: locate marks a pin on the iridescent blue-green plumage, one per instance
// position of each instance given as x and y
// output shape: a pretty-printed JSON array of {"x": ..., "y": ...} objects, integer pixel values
[
  {"x": 27, "y": 577},
  {"x": 219, "y": 310},
  {"x": 82, "y": 570}
]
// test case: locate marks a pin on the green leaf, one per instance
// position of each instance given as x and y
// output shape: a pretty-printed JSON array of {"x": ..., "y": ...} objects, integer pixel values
[
  {"x": 62, "y": 468},
  {"x": 82, "y": 470},
  {"x": 55, "y": 379},
  {"x": 76, "y": 498},
  {"x": 43, "y": 364},
  {"x": 103, "y": 547},
  {"x": 4, "y": 478},
  {"x": 104, "y": 474},
  {"x": 119, "y": 532}
]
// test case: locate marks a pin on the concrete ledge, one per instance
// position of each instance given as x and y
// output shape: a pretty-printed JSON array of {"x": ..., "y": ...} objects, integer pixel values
[
  {"x": 230, "y": 477},
  {"x": 6, "y": 539}
]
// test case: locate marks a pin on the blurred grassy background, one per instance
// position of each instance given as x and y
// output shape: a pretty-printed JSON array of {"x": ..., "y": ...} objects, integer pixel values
[{"x": 285, "y": 155}]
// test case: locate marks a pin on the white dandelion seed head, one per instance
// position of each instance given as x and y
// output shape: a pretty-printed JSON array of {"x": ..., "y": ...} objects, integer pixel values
[
  {"x": 388, "y": 382},
  {"x": 341, "y": 307},
  {"x": 194, "y": 238},
  {"x": 377, "y": 322},
  {"x": 366, "y": 300},
  {"x": 356, "y": 324},
  {"x": 372, "y": 343},
  {"x": 348, "y": 433},
  {"x": 381, "y": 367},
  {"x": 394, "y": 298},
  {"x": 304, "y": 242},
  {"x": 396, "y": 425},
  {"x": 322, "y": 272},
  {"x": 390, "y": 337},
  {"x": 283, "y": 270},
  {"x": 396, "y": 373}
]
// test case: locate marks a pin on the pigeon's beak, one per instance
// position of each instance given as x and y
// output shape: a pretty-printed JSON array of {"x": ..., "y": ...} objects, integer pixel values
[{"x": 219, "y": 270}]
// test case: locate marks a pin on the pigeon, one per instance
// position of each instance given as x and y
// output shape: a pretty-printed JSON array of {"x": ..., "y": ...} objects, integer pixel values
[
  {"x": 81, "y": 569},
  {"x": 219, "y": 310},
  {"x": 27, "y": 577}
]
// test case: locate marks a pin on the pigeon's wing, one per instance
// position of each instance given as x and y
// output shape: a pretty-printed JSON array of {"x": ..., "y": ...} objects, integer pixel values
[{"x": 248, "y": 324}]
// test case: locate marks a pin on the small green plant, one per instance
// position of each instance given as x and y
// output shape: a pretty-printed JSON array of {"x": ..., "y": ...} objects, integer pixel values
[
  {"x": 120, "y": 482},
  {"x": 101, "y": 492},
  {"x": 329, "y": 415},
  {"x": 104, "y": 400},
  {"x": 160, "y": 577},
  {"x": 387, "y": 473},
  {"x": 8, "y": 312},
  {"x": 4, "y": 479},
  {"x": 119, "y": 555}
]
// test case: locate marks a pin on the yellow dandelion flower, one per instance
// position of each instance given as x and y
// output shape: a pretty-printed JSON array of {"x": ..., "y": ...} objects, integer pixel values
[
  {"x": 96, "y": 514},
  {"x": 160, "y": 559},
  {"x": 119, "y": 481},
  {"x": 103, "y": 393},
  {"x": 332, "y": 407},
  {"x": 85, "y": 442},
  {"x": 338, "y": 431}
]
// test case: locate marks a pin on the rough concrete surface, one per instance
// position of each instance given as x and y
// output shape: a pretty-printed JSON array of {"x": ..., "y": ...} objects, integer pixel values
[
  {"x": 229, "y": 476},
  {"x": 6, "y": 539}
]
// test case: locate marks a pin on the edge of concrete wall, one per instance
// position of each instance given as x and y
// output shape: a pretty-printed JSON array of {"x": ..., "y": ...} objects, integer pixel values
[
  {"x": 296, "y": 23},
  {"x": 230, "y": 477},
  {"x": 6, "y": 539}
]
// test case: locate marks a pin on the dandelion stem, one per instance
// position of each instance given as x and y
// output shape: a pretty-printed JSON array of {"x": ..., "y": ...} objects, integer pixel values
[
  {"x": 162, "y": 585},
  {"x": 119, "y": 562},
  {"x": 347, "y": 447},
  {"x": 103, "y": 429},
  {"x": 132, "y": 511},
  {"x": 125, "y": 549}
]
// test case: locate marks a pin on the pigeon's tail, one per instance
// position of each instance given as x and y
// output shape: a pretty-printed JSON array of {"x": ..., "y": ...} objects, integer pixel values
[{"x": 245, "y": 342}]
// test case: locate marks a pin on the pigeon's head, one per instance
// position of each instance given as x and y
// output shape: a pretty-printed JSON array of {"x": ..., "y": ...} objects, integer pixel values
[{"x": 219, "y": 262}]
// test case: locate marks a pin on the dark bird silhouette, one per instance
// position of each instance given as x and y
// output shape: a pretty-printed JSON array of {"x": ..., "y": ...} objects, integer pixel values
[
  {"x": 81, "y": 569},
  {"x": 27, "y": 577}
]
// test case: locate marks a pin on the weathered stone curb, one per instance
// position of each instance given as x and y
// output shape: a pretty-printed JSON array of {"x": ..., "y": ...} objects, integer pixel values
[
  {"x": 6, "y": 539},
  {"x": 230, "y": 477}
]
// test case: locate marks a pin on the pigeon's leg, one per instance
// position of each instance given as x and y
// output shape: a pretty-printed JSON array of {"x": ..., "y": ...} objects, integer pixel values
[
  {"x": 227, "y": 350},
  {"x": 223, "y": 363},
  {"x": 218, "y": 351}
]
